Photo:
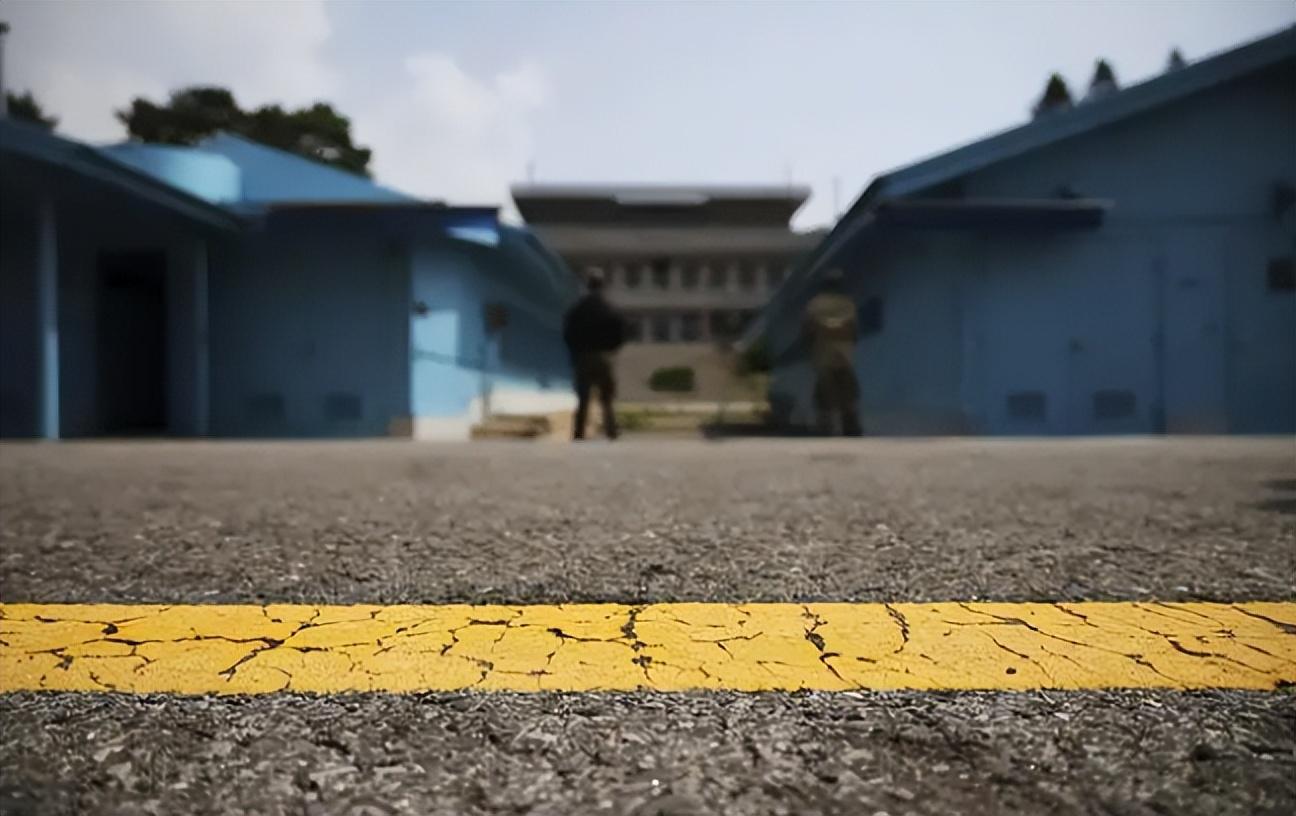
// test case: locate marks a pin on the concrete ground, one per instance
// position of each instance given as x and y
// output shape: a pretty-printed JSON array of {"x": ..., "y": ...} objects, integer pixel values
[{"x": 650, "y": 520}]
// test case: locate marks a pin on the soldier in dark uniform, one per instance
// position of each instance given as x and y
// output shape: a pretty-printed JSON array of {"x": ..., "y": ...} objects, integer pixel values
[
  {"x": 830, "y": 331},
  {"x": 594, "y": 332}
]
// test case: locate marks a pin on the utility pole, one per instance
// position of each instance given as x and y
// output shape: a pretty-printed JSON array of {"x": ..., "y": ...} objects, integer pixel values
[{"x": 4, "y": 93}]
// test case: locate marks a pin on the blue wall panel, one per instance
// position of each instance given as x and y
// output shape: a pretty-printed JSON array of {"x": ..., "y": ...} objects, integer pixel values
[
  {"x": 456, "y": 361},
  {"x": 1159, "y": 319},
  {"x": 445, "y": 364},
  {"x": 309, "y": 335}
]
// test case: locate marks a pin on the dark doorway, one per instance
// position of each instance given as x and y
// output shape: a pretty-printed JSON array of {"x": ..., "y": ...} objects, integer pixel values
[{"x": 132, "y": 342}]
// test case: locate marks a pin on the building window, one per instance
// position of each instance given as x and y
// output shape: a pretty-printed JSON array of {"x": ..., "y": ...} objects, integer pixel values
[
  {"x": 1282, "y": 274},
  {"x": 717, "y": 278},
  {"x": 633, "y": 277},
  {"x": 715, "y": 322},
  {"x": 689, "y": 275},
  {"x": 747, "y": 277},
  {"x": 661, "y": 328},
  {"x": 634, "y": 328},
  {"x": 1027, "y": 406},
  {"x": 690, "y": 327},
  {"x": 870, "y": 317},
  {"x": 722, "y": 323},
  {"x": 773, "y": 277},
  {"x": 661, "y": 273},
  {"x": 1113, "y": 404}
]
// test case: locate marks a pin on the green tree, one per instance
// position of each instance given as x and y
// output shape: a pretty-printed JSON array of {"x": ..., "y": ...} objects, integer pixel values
[
  {"x": 25, "y": 107},
  {"x": 675, "y": 380},
  {"x": 1103, "y": 83},
  {"x": 755, "y": 359},
  {"x": 1056, "y": 95},
  {"x": 1103, "y": 72},
  {"x": 192, "y": 114}
]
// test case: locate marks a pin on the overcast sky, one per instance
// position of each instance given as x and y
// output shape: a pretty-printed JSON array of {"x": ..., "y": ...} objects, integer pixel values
[{"x": 456, "y": 99}]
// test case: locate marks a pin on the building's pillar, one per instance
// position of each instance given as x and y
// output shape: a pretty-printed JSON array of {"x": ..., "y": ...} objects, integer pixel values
[
  {"x": 201, "y": 341},
  {"x": 47, "y": 348}
]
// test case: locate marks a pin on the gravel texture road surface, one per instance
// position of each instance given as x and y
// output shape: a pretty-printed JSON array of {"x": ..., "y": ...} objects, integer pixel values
[
  {"x": 646, "y": 521},
  {"x": 768, "y": 520}
]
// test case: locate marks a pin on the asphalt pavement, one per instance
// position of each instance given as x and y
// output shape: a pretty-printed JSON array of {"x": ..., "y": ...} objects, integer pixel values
[{"x": 642, "y": 522}]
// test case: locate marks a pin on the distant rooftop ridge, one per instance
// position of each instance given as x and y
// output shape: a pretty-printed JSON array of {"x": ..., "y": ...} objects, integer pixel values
[
  {"x": 696, "y": 205},
  {"x": 661, "y": 193}
]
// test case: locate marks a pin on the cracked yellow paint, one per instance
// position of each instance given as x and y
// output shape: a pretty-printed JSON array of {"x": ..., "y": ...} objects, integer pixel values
[{"x": 659, "y": 647}]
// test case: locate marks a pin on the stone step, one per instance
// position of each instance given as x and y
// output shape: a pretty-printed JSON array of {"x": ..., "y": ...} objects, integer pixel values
[{"x": 515, "y": 426}]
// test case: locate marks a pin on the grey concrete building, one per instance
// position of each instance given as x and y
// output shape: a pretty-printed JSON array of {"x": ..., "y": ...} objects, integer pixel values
[{"x": 690, "y": 266}]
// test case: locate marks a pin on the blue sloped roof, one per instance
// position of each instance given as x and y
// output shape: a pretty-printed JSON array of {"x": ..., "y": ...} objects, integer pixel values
[
  {"x": 1039, "y": 133},
  {"x": 1087, "y": 116},
  {"x": 558, "y": 281},
  {"x": 271, "y": 175},
  {"x": 34, "y": 143}
]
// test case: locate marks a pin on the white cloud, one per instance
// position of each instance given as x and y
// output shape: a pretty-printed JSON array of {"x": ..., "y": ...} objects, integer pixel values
[
  {"x": 85, "y": 108},
  {"x": 450, "y": 135},
  {"x": 436, "y": 131},
  {"x": 84, "y": 60}
]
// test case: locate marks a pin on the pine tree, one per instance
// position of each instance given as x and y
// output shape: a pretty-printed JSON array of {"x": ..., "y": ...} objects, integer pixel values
[
  {"x": 1103, "y": 82},
  {"x": 1103, "y": 72},
  {"x": 1176, "y": 61},
  {"x": 1057, "y": 96}
]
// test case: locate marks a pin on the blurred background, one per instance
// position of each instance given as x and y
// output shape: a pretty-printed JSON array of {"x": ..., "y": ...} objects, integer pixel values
[{"x": 344, "y": 219}]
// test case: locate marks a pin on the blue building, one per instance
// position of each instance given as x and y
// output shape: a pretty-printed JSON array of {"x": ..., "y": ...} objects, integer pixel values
[
  {"x": 236, "y": 290},
  {"x": 1121, "y": 266}
]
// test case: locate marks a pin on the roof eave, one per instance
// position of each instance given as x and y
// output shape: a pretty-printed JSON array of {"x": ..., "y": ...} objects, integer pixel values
[
  {"x": 75, "y": 157},
  {"x": 802, "y": 275},
  {"x": 635, "y": 192}
]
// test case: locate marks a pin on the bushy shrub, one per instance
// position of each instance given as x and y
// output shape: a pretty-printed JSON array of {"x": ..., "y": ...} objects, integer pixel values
[
  {"x": 675, "y": 380},
  {"x": 755, "y": 359},
  {"x": 633, "y": 420}
]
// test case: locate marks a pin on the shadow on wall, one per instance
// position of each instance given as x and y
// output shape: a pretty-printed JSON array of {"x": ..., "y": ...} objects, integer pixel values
[{"x": 1280, "y": 504}]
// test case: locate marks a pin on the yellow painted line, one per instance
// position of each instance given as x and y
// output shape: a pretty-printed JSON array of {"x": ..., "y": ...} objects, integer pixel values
[{"x": 660, "y": 647}]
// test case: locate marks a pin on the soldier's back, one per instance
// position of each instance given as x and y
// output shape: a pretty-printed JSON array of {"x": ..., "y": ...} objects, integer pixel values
[{"x": 830, "y": 319}]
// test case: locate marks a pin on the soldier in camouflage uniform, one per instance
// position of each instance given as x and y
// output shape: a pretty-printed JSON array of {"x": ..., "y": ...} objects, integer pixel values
[{"x": 830, "y": 330}]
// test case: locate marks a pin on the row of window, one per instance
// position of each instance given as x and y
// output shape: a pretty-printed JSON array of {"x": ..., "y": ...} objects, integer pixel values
[
  {"x": 667, "y": 274},
  {"x": 699, "y": 326},
  {"x": 687, "y": 327}
]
